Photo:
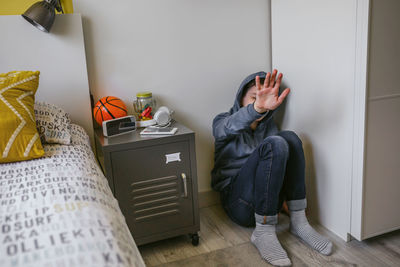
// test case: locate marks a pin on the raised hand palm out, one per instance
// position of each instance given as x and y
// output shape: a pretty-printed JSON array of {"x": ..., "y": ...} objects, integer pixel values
[{"x": 267, "y": 96}]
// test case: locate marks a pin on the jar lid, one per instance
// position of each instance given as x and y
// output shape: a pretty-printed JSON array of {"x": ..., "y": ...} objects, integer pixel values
[{"x": 144, "y": 94}]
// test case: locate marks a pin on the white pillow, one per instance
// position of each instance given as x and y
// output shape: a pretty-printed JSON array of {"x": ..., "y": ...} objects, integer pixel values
[{"x": 53, "y": 124}]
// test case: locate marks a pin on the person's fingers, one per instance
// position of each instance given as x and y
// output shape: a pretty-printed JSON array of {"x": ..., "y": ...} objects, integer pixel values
[
  {"x": 266, "y": 81},
  {"x": 278, "y": 81},
  {"x": 283, "y": 95},
  {"x": 273, "y": 76},
  {"x": 258, "y": 84}
]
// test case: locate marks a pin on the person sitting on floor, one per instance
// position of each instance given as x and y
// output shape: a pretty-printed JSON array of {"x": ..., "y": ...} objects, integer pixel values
[{"x": 257, "y": 168}]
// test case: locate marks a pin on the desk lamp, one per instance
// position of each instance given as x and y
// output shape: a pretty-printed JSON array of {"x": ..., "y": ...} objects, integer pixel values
[{"x": 41, "y": 14}]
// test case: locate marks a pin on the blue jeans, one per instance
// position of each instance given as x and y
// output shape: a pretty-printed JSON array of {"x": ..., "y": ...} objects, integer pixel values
[{"x": 274, "y": 172}]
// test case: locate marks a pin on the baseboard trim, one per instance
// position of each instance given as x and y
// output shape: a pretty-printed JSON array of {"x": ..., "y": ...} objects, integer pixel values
[{"x": 208, "y": 198}]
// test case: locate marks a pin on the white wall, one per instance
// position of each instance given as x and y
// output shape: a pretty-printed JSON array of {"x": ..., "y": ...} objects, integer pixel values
[
  {"x": 313, "y": 44},
  {"x": 191, "y": 54}
]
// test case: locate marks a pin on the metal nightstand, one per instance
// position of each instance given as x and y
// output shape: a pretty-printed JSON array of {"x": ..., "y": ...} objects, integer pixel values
[{"x": 154, "y": 180}]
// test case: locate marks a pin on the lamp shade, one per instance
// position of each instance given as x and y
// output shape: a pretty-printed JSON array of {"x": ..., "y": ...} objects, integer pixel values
[{"x": 41, "y": 15}]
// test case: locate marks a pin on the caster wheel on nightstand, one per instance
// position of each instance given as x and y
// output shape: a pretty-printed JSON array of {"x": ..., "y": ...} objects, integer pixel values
[{"x": 195, "y": 239}]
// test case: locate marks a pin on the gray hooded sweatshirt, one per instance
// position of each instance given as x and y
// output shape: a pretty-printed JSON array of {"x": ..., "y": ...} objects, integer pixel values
[{"x": 235, "y": 140}]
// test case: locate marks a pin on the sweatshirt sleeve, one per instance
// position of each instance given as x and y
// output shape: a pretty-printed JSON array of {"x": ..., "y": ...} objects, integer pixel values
[{"x": 226, "y": 125}]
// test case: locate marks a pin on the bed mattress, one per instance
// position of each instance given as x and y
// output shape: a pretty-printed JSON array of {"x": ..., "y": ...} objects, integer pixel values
[{"x": 59, "y": 211}]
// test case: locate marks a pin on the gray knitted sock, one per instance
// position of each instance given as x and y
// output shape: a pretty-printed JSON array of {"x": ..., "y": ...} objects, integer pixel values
[
  {"x": 265, "y": 239},
  {"x": 300, "y": 227}
]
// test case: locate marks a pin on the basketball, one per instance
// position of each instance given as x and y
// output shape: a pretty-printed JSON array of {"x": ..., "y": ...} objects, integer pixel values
[{"x": 108, "y": 108}]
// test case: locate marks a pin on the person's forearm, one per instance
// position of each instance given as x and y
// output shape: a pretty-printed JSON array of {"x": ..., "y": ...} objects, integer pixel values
[{"x": 228, "y": 125}]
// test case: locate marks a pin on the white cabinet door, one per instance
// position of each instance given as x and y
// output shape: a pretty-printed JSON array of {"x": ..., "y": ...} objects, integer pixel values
[{"x": 381, "y": 211}]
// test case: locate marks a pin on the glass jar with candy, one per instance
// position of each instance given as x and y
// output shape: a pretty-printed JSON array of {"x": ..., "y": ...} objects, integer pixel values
[{"x": 144, "y": 106}]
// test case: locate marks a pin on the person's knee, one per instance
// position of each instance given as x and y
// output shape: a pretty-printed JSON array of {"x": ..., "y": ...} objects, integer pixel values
[
  {"x": 292, "y": 138},
  {"x": 275, "y": 144}
]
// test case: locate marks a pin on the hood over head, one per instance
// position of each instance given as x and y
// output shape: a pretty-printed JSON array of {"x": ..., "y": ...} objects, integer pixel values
[{"x": 239, "y": 94}]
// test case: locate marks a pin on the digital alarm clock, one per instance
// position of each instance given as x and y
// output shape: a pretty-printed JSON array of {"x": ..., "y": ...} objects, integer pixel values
[{"x": 119, "y": 126}]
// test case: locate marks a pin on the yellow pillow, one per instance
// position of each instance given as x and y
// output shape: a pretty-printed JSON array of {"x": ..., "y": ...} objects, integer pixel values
[{"x": 19, "y": 139}]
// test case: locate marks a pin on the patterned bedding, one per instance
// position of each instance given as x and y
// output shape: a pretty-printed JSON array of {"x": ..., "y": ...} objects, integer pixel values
[{"x": 58, "y": 211}]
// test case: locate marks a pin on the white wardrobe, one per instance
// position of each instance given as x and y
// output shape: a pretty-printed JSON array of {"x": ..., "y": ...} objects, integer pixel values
[{"x": 341, "y": 58}]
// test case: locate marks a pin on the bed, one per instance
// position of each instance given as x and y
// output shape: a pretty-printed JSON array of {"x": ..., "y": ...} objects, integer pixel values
[{"x": 58, "y": 210}]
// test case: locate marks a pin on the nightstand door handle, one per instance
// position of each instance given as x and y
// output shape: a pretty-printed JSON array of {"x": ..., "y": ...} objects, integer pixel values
[{"x": 184, "y": 179}]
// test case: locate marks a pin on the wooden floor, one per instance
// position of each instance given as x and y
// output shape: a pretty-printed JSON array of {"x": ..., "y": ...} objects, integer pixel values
[{"x": 223, "y": 243}]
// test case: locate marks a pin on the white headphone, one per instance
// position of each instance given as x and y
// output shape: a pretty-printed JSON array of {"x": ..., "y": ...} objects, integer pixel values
[{"x": 163, "y": 116}]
